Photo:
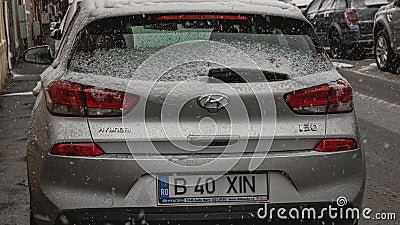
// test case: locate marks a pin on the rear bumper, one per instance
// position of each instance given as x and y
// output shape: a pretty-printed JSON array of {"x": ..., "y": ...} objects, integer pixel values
[
  {"x": 243, "y": 214},
  {"x": 78, "y": 186},
  {"x": 355, "y": 38},
  {"x": 366, "y": 42}
]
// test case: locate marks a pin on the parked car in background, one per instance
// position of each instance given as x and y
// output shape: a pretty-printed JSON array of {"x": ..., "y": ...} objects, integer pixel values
[
  {"x": 387, "y": 37},
  {"x": 59, "y": 27},
  {"x": 345, "y": 26}
]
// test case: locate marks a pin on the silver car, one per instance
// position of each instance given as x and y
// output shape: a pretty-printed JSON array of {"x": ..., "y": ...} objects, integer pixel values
[{"x": 190, "y": 111}]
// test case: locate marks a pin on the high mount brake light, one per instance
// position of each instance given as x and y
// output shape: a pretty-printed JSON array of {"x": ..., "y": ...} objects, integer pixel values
[
  {"x": 71, "y": 99},
  {"x": 351, "y": 16},
  {"x": 335, "y": 145},
  {"x": 201, "y": 17},
  {"x": 331, "y": 98},
  {"x": 77, "y": 149}
]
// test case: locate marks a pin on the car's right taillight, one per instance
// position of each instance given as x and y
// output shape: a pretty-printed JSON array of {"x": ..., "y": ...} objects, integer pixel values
[
  {"x": 330, "y": 98},
  {"x": 336, "y": 145},
  {"x": 71, "y": 99},
  {"x": 351, "y": 16}
]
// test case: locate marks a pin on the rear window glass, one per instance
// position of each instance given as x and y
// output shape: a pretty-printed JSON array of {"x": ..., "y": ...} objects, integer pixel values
[
  {"x": 118, "y": 46},
  {"x": 327, "y": 5},
  {"x": 314, "y": 6}
]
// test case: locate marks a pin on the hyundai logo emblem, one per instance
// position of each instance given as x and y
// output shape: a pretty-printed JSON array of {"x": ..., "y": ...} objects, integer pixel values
[{"x": 213, "y": 102}]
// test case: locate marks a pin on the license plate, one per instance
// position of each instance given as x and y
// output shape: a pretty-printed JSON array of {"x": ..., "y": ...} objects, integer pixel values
[{"x": 205, "y": 189}]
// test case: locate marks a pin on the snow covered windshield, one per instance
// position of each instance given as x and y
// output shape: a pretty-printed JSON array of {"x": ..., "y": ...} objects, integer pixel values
[{"x": 118, "y": 46}]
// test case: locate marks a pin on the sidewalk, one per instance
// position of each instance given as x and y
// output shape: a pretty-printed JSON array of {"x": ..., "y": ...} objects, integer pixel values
[
  {"x": 24, "y": 78},
  {"x": 15, "y": 110},
  {"x": 23, "y": 68}
]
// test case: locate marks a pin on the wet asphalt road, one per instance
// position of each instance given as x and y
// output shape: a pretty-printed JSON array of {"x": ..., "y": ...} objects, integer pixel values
[
  {"x": 377, "y": 103},
  {"x": 377, "y": 99},
  {"x": 14, "y": 117}
]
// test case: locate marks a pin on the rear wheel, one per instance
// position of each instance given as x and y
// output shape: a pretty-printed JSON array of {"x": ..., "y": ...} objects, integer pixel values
[
  {"x": 385, "y": 58},
  {"x": 339, "y": 50},
  {"x": 357, "y": 53}
]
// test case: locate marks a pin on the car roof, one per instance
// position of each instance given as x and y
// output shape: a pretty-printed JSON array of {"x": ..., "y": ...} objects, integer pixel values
[
  {"x": 302, "y": 2},
  {"x": 111, "y": 8}
]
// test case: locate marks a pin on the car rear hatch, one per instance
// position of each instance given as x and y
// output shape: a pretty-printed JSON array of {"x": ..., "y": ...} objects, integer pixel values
[
  {"x": 366, "y": 18},
  {"x": 191, "y": 96},
  {"x": 366, "y": 11},
  {"x": 176, "y": 120}
]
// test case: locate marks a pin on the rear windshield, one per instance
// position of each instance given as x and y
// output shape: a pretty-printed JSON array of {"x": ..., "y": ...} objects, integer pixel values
[{"x": 118, "y": 46}]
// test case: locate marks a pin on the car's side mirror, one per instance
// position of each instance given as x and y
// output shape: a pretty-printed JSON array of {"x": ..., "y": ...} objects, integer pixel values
[
  {"x": 56, "y": 34},
  {"x": 39, "y": 55}
]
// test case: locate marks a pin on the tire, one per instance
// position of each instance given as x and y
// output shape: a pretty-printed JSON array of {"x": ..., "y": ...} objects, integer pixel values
[
  {"x": 385, "y": 58},
  {"x": 336, "y": 45}
]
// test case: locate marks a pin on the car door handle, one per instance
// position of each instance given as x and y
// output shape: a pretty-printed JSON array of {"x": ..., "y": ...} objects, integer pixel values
[{"x": 213, "y": 141}]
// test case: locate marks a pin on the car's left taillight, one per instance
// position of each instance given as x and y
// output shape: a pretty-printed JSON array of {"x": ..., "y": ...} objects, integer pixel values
[
  {"x": 65, "y": 98},
  {"x": 77, "y": 149}
]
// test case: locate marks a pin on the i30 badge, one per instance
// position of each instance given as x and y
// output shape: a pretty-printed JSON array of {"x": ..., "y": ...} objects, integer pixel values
[{"x": 213, "y": 102}]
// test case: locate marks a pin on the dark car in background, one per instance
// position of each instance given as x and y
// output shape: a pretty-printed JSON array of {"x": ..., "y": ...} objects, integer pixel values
[
  {"x": 345, "y": 26},
  {"x": 386, "y": 29}
]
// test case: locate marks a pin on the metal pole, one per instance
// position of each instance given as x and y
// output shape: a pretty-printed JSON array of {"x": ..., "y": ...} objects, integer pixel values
[
  {"x": 7, "y": 32},
  {"x": 11, "y": 36}
]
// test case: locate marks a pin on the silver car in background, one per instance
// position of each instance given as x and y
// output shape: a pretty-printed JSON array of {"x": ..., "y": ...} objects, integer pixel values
[{"x": 187, "y": 111}]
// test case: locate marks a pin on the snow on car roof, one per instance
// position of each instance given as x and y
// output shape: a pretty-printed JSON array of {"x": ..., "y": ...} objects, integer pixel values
[
  {"x": 301, "y": 2},
  {"x": 106, "y": 8}
]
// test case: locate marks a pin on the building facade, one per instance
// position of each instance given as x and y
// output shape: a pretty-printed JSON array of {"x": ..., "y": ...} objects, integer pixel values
[
  {"x": 24, "y": 24},
  {"x": 3, "y": 45}
]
